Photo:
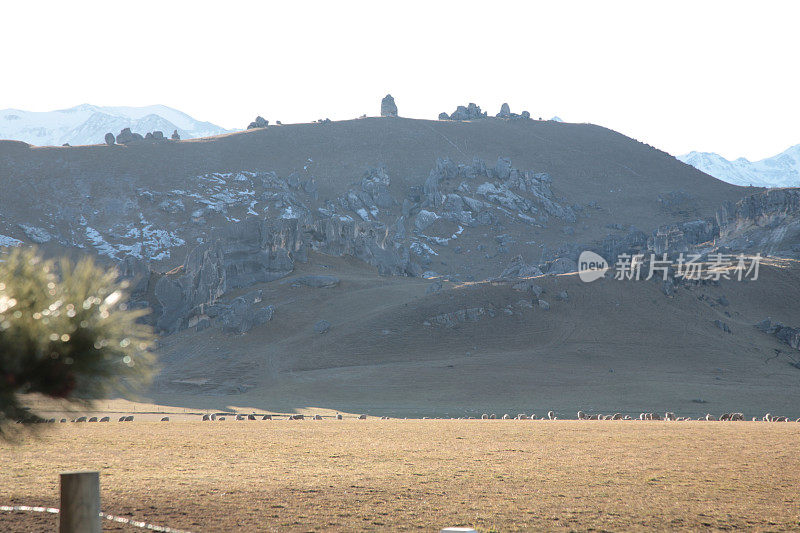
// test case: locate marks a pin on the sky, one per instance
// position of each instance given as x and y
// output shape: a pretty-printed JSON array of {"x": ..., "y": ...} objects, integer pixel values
[{"x": 717, "y": 76}]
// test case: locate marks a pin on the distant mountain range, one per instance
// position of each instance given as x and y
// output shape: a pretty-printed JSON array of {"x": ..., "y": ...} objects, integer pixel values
[
  {"x": 782, "y": 170},
  {"x": 88, "y": 124}
]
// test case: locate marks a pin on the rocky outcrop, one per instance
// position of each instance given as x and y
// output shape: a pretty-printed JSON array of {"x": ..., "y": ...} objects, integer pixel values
[
  {"x": 451, "y": 320},
  {"x": 110, "y": 139},
  {"x": 243, "y": 314},
  {"x": 505, "y": 112},
  {"x": 388, "y": 107},
  {"x": 765, "y": 222},
  {"x": 125, "y": 136},
  {"x": 677, "y": 238},
  {"x": 519, "y": 269},
  {"x": 136, "y": 272},
  {"x": 786, "y": 334},
  {"x": 175, "y": 136},
  {"x": 469, "y": 112},
  {"x": 259, "y": 122}
]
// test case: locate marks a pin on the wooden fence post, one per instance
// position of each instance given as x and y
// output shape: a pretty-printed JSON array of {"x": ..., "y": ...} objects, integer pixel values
[{"x": 80, "y": 502}]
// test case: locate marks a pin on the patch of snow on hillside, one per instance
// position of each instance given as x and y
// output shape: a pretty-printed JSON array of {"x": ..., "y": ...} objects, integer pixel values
[
  {"x": 782, "y": 170},
  {"x": 6, "y": 241}
]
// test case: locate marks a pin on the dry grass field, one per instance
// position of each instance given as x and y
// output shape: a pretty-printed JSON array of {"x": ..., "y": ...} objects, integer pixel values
[{"x": 386, "y": 475}]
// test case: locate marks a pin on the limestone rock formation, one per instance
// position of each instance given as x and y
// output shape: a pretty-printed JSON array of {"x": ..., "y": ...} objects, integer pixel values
[
  {"x": 259, "y": 122},
  {"x": 470, "y": 112},
  {"x": 125, "y": 136},
  {"x": 388, "y": 107}
]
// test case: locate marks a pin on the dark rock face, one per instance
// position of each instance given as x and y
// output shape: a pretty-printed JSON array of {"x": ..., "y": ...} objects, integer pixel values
[
  {"x": 175, "y": 136},
  {"x": 388, "y": 107},
  {"x": 110, "y": 140}
]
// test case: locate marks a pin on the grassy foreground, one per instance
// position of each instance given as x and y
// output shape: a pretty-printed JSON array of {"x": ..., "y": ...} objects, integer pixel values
[{"x": 418, "y": 474}]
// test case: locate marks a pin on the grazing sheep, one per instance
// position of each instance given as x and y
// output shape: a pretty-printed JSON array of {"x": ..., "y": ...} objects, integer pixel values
[
  {"x": 222, "y": 418},
  {"x": 484, "y": 416},
  {"x": 213, "y": 417},
  {"x": 669, "y": 416},
  {"x": 779, "y": 419},
  {"x": 656, "y": 416},
  {"x": 617, "y": 416},
  {"x": 339, "y": 416},
  {"x": 266, "y": 417},
  {"x": 93, "y": 419},
  {"x": 506, "y": 417},
  {"x": 492, "y": 416},
  {"x": 642, "y": 416},
  {"x": 129, "y": 418},
  {"x": 362, "y": 417},
  {"x": 551, "y": 415},
  {"x": 767, "y": 418},
  {"x": 317, "y": 417},
  {"x": 165, "y": 419},
  {"x": 206, "y": 418},
  {"x": 710, "y": 417},
  {"x": 581, "y": 415},
  {"x": 627, "y": 417},
  {"x": 104, "y": 419},
  {"x": 737, "y": 417},
  {"x": 251, "y": 417},
  {"x": 122, "y": 418},
  {"x": 239, "y": 417},
  {"x": 80, "y": 419},
  {"x": 64, "y": 420}
]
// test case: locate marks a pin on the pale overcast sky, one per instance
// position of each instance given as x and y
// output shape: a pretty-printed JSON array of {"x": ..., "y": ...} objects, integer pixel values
[{"x": 698, "y": 75}]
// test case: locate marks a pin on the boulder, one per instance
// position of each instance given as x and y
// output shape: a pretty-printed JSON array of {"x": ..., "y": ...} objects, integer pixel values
[
  {"x": 125, "y": 136},
  {"x": 505, "y": 111},
  {"x": 175, "y": 136},
  {"x": 388, "y": 107},
  {"x": 259, "y": 122},
  {"x": 323, "y": 326},
  {"x": 110, "y": 139}
]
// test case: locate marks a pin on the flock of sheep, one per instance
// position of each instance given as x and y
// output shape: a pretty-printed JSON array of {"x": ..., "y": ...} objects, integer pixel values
[{"x": 732, "y": 417}]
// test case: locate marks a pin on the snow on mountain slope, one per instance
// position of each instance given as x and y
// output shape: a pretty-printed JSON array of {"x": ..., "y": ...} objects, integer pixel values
[
  {"x": 88, "y": 124},
  {"x": 782, "y": 170}
]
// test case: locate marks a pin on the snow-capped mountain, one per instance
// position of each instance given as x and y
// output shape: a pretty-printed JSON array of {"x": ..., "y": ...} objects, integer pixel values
[
  {"x": 88, "y": 124},
  {"x": 782, "y": 170}
]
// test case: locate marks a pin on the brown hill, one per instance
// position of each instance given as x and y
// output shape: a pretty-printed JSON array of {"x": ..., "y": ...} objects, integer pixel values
[{"x": 610, "y": 346}]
